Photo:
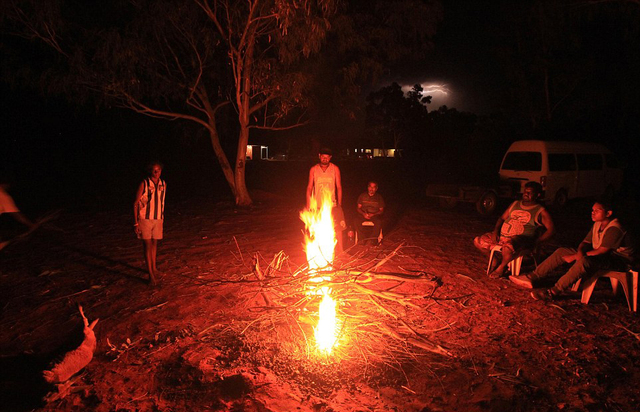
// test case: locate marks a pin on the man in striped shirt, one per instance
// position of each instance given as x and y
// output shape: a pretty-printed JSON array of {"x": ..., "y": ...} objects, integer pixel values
[{"x": 148, "y": 213}]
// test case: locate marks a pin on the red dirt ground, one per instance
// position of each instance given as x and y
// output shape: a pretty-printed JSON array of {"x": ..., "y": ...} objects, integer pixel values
[{"x": 177, "y": 347}]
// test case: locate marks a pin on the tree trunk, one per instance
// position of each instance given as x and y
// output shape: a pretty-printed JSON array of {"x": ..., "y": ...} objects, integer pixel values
[
  {"x": 222, "y": 158},
  {"x": 243, "y": 99},
  {"x": 242, "y": 194}
]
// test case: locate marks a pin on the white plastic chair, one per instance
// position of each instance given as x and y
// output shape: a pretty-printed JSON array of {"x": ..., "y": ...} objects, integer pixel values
[
  {"x": 629, "y": 281},
  {"x": 368, "y": 223},
  {"x": 514, "y": 265}
]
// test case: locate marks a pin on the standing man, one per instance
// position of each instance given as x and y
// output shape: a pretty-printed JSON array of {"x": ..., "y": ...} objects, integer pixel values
[
  {"x": 148, "y": 214},
  {"x": 325, "y": 176},
  {"x": 370, "y": 209},
  {"x": 517, "y": 228}
]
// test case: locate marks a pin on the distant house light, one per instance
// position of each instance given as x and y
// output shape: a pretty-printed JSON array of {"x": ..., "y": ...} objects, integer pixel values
[{"x": 257, "y": 152}]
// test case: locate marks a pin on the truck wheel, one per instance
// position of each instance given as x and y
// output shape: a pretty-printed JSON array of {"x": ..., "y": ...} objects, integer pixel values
[
  {"x": 561, "y": 198},
  {"x": 447, "y": 202},
  {"x": 487, "y": 203}
]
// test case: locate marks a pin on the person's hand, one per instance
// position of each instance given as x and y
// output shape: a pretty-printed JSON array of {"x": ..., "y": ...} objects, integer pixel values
[{"x": 136, "y": 229}]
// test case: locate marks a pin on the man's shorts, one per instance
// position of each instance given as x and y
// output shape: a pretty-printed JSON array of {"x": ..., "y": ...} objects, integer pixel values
[
  {"x": 516, "y": 243},
  {"x": 150, "y": 229}
]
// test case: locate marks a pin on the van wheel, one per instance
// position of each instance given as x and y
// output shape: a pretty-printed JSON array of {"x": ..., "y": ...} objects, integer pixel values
[
  {"x": 487, "y": 203},
  {"x": 561, "y": 198},
  {"x": 447, "y": 202}
]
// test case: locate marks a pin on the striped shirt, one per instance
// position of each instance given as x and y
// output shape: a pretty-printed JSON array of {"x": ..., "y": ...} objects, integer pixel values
[{"x": 151, "y": 203}]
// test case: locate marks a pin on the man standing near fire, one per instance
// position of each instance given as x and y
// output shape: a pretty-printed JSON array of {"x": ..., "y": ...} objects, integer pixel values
[
  {"x": 148, "y": 213},
  {"x": 326, "y": 176}
]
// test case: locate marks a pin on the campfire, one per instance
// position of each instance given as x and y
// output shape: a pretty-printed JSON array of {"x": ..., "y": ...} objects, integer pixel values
[
  {"x": 341, "y": 308},
  {"x": 320, "y": 241}
]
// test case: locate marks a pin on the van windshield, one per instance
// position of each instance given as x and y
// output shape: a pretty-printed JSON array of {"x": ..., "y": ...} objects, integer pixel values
[{"x": 530, "y": 161}]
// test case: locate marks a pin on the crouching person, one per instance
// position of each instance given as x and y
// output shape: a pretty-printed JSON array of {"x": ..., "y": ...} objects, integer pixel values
[
  {"x": 606, "y": 246},
  {"x": 518, "y": 228}
]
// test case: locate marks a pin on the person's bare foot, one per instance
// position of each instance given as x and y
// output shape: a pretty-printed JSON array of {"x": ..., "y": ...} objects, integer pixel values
[
  {"x": 498, "y": 273},
  {"x": 152, "y": 279}
]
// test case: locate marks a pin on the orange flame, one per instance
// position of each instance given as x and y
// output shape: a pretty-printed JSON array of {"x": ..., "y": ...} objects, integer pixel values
[
  {"x": 320, "y": 241},
  {"x": 321, "y": 237}
]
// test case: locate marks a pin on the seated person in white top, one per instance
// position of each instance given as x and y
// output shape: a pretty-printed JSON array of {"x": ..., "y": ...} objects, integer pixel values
[
  {"x": 518, "y": 228},
  {"x": 606, "y": 246}
]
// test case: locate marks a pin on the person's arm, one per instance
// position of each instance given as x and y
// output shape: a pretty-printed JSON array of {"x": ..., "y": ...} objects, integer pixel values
[
  {"x": 612, "y": 237},
  {"x": 547, "y": 222},
  {"x": 496, "y": 230},
  {"x": 583, "y": 248},
  {"x": 136, "y": 207},
  {"x": 309, "y": 187},
  {"x": 338, "y": 186},
  {"x": 361, "y": 211}
]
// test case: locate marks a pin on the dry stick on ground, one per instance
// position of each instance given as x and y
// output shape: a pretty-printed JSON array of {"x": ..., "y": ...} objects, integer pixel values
[
  {"x": 635, "y": 334},
  {"x": 260, "y": 276},
  {"x": 419, "y": 340}
]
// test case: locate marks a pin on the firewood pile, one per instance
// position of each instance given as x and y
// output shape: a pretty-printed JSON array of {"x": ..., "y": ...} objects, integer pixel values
[{"x": 383, "y": 316}]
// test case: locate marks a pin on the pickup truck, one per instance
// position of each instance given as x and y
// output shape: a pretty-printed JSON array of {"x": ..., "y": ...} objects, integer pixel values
[{"x": 485, "y": 197}]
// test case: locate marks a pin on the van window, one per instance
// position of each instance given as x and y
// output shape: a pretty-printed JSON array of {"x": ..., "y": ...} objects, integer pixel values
[
  {"x": 530, "y": 161},
  {"x": 561, "y": 162},
  {"x": 590, "y": 161}
]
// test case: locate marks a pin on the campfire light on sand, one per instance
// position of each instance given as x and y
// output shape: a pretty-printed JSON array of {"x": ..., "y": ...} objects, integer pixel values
[{"x": 320, "y": 241}]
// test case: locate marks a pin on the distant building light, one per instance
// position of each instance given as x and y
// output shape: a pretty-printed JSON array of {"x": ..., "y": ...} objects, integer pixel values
[{"x": 257, "y": 152}]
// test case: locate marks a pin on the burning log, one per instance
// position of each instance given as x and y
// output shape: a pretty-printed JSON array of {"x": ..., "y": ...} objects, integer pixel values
[{"x": 75, "y": 360}]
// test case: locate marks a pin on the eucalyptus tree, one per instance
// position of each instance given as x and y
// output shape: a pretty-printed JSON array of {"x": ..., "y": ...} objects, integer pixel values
[{"x": 197, "y": 60}]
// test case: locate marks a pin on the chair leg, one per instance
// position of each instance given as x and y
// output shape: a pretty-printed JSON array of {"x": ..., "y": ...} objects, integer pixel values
[
  {"x": 634, "y": 289},
  {"x": 627, "y": 284},
  {"x": 587, "y": 289},
  {"x": 515, "y": 265},
  {"x": 614, "y": 285},
  {"x": 491, "y": 257},
  {"x": 576, "y": 286}
]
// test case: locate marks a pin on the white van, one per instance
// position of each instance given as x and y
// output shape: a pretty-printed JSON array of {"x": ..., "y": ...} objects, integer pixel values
[{"x": 566, "y": 170}]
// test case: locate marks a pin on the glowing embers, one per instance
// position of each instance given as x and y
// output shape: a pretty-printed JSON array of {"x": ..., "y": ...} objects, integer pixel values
[{"x": 320, "y": 241}]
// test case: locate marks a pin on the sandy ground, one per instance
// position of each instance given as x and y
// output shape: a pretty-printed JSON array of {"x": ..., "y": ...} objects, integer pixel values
[{"x": 181, "y": 346}]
